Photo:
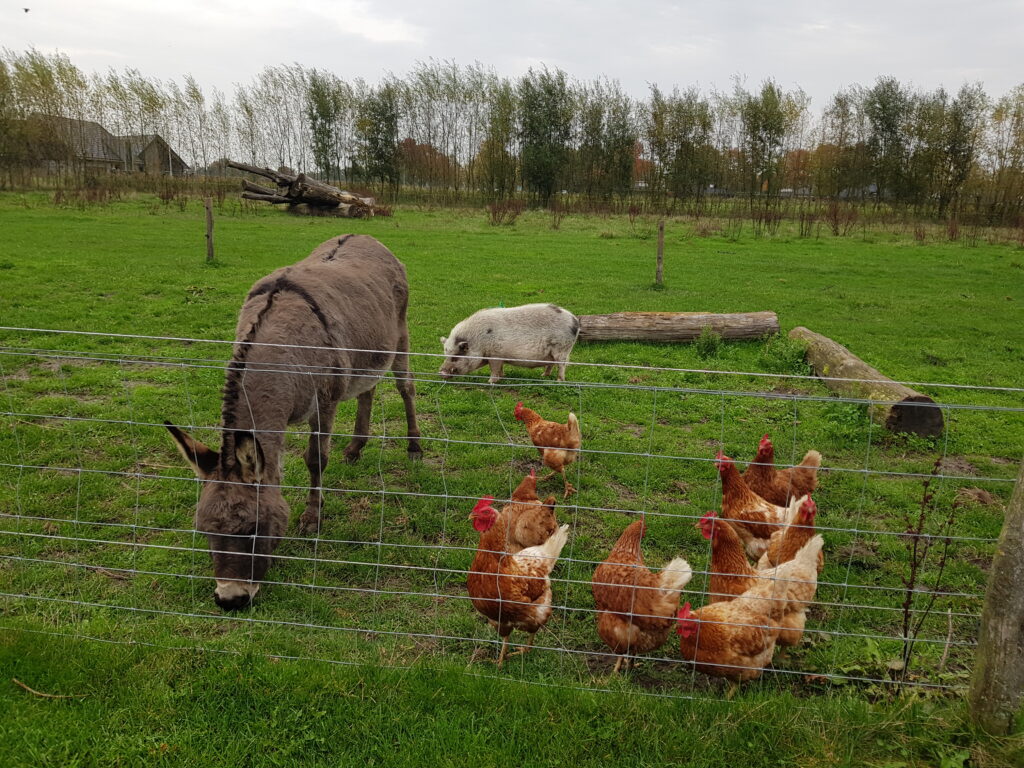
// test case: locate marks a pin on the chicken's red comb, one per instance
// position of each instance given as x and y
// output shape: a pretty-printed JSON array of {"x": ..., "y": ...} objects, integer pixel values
[
  {"x": 766, "y": 439},
  {"x": 809, "y": 508},
  {"x": 483, "y": 504},
  {"x": 721, "y": 459},
  {"x": 533, "y": 473},
  {"x": 682, "y": 616}
]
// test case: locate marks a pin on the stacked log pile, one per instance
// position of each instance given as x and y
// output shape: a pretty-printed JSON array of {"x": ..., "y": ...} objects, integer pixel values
[{"x": 303, "y": 194}]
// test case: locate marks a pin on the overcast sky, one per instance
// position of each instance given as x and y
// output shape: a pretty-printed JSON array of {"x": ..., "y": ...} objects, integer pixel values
[{"x": 818, "y": 46}]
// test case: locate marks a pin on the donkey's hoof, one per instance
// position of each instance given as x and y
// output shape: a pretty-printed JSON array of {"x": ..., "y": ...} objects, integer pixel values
[
  {"x": 415, "y": 454},
  {"x": 351, "y": 457},
  {"x": 309, "y": 524}
]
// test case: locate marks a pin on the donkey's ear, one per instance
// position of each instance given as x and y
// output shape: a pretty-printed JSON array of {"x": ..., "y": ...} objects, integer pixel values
[
  {"x": 249, "y": 455},
  {"x": 202, "y": 460}
]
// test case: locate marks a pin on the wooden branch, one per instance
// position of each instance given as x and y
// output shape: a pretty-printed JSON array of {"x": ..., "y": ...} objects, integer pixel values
[
  {"x": 895, "y": 407},
  {"x": 275, "y": 199},
  {"x": 281, "y": 179},
  {"x": 248, "y": 186},
  {"x": 675, "y": 326},
  {"x": 997, "y": 686}
]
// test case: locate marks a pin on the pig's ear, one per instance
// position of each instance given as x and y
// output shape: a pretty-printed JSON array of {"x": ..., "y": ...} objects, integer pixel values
[{"x": 444, "y": 339}]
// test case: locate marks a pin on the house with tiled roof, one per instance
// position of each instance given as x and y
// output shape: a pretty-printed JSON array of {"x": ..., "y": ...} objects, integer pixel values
[{"x": 88, "y": 143}]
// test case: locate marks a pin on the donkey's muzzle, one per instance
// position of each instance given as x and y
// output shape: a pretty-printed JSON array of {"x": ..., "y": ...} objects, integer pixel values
[{"x": 233, "y": 603}]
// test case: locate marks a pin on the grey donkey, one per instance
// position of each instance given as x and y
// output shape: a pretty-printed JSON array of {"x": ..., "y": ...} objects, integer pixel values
[{"x": 310, "y": 335}]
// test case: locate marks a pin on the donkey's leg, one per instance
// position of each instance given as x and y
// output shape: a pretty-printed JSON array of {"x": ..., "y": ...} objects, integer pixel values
[
  {"x": 362, "y": 429},
  {"x": 317, "y": 455},
  {"x": 407, "y": 389}
]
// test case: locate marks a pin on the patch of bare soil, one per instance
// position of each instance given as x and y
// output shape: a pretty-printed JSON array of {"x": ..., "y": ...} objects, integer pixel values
[
  {"x": 860, "y": 552},
  {"x": 622, "y": 490},
  {"x": 957, "y": 465}
]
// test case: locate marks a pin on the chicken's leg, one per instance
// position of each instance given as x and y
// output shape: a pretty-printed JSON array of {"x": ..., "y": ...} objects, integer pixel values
[
  {"x": 569, "y": 490},
  {"x": 618, "y": 664},
  {"x": 525, "y": 649},
  {"x": 504, "y": 648}
]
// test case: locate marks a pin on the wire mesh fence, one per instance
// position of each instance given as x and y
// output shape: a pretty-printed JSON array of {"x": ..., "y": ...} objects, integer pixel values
[{"x": 98, "y": 538}]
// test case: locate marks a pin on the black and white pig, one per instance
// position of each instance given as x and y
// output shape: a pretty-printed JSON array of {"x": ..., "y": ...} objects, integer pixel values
[{"x": 530, "y": 336}]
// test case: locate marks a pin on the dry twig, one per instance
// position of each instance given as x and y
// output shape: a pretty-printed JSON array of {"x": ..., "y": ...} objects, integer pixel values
[{"x": 34, "y": 692}]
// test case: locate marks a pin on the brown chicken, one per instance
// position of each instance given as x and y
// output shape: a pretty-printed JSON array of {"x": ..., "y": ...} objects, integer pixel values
[
  {"x": 736, "y": 639},
  {"x": 780, "y": 486},
  {"x": 558, "y": 444},
  {"x": 755, "y": 518},
  {"x": 636, "y": 609},
  {"x": 512, "y": 591},
  {"x": 529, "y": 522},
  {"x": 729, "y": 573},
  {"x": 784, "y": 544}
]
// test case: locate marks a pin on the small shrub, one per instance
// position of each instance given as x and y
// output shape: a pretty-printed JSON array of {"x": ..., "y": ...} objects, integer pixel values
[
  {"x": 920, "y": 235},
  {"x": 504, "y": 212},
  {"x": 841, "y": 218},
  {"x": 709, "y": 344},
  {"x": 781, "y": 354},
  {"x": 557, "y": 214},
  {"x": 706, "y": 229},
  {"x": 953, "y": 229}
]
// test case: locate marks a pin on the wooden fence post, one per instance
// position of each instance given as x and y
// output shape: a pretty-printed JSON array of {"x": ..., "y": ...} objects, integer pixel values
[
  {"x": 208, "y": 203},
  {"x": 997, "y": 685},
  {"x": 661, "y": 252}
]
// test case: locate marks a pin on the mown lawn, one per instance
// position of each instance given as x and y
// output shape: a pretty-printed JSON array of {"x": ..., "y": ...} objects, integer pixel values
[{"x": 107, "y": 552}]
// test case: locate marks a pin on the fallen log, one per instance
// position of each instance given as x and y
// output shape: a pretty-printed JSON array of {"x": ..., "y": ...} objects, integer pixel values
[
  {"x": 895, "y": 406},
  {"x": 675, "y": 326},
  {"x": 302, "y": 191}
]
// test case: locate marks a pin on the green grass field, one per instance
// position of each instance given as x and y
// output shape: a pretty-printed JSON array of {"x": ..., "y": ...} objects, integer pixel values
[{"x": 107, "y": 553}]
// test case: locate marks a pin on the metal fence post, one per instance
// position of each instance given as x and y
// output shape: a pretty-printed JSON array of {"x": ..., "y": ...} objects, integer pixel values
[{"x": 998, "y": 681}]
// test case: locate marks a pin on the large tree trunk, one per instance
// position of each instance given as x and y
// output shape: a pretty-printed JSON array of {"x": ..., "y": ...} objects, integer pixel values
[
  {"x": 675, "y": 326},
  {"x": 894, "y": 406},
  {"x": 302, "y": 192}
]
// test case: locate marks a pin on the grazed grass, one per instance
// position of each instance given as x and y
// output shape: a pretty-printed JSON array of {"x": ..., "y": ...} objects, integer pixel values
[{"x": 935, "y": 313}]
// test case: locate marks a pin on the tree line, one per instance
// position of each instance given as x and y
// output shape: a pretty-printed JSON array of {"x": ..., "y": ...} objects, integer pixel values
[{"x": 454, "y": 133}]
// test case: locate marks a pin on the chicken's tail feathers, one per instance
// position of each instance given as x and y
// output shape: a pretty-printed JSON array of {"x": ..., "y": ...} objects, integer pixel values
[
  {"x": 793, "y": 510},
  {"x": 675, "y": 575},
  {"x": 574, "y": 427},
  {"x": 553, "y": 547},
  {"x": 811, "y": 460}
]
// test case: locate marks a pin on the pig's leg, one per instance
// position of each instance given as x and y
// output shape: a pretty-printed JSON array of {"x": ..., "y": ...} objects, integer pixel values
[
  {"x": 547, "y": 370},
  {"x": 496, "y": 370},
  {"x": 561, "y": 369}
]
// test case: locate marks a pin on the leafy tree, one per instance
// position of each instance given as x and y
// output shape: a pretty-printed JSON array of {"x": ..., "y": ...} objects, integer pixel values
[
  {"x": 545, "y": 129},
  {"x": 887, "y": 106},
  {"x": 377, "y": 135}
]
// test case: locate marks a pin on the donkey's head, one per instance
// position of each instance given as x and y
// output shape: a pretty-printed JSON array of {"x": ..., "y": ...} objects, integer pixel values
[{"x": 243, "y": 519}]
